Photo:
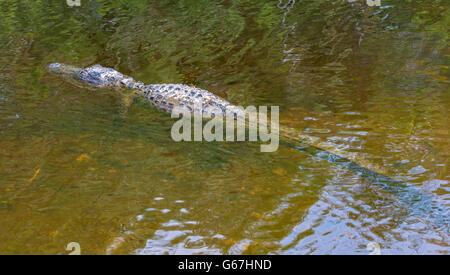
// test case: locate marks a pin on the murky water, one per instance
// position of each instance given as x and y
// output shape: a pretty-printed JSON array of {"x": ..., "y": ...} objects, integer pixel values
[{"x": 370, "y": 80}]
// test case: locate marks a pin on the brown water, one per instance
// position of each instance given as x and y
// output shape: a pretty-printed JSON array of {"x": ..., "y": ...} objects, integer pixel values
[{"x": 371, "y": 80}]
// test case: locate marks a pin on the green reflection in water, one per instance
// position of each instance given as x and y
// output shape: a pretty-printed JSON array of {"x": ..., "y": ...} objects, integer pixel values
[{"x": 371, "y": 80}]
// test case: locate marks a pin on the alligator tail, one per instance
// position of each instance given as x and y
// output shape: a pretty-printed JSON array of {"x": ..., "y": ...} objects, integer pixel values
[{"x": 417, "y": 201}]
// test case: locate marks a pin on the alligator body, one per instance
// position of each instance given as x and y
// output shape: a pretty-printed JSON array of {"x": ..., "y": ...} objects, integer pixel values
[{"x": 165, "y": 97}]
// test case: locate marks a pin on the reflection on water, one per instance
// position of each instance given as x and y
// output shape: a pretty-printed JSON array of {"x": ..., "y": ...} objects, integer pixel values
[{"x": 369, "y": 80}]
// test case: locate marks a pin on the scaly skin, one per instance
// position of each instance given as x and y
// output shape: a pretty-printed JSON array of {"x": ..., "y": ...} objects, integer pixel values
[{"x": 165, "y": 97}]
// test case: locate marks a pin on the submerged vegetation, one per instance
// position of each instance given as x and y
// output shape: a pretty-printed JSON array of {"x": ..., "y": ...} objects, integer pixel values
[{"x": 370, "y": 79}]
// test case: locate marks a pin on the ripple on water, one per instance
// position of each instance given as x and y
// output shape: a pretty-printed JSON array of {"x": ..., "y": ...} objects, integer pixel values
[
  {"x": 417, "y": 170},
  {"x": 176, "y": 242}
]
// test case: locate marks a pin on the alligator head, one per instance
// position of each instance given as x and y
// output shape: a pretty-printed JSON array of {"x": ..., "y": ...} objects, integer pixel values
[{"x": 94, "y": 76}]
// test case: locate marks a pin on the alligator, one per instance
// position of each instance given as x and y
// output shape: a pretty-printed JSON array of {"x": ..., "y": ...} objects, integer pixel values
[{"x": 166, "y": 97}]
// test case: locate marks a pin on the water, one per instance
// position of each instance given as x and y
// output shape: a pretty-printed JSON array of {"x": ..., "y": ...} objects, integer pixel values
[{"x": 370, "y": 80}]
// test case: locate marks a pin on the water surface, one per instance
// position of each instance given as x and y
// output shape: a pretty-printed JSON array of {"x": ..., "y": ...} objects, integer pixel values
[{"x": 372, "y": 80}]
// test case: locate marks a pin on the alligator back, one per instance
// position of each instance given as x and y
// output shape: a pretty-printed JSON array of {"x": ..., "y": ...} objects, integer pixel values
[{"x": 166, "y": 97}]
